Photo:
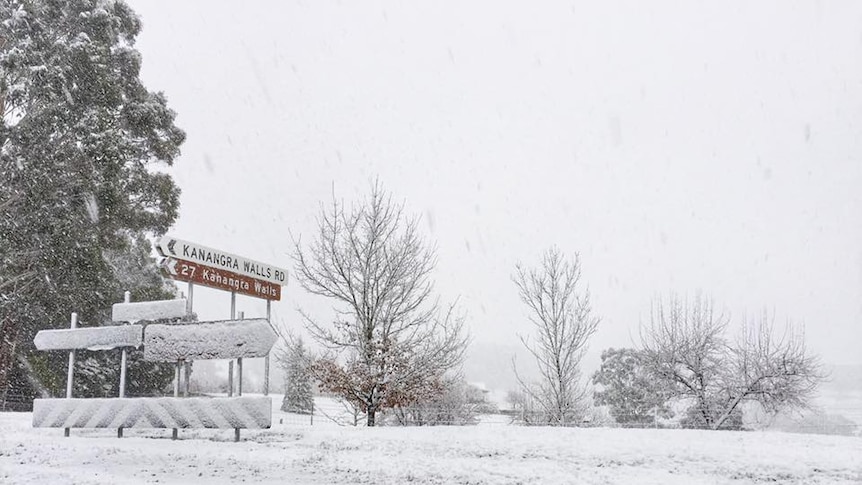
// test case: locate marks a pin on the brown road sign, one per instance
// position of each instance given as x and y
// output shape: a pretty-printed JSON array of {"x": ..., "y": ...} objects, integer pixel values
[{"x": 191, "y": 272}]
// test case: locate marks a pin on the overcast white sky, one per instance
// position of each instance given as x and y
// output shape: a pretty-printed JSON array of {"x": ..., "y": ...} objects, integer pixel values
[{"x": 678, "y": 146}]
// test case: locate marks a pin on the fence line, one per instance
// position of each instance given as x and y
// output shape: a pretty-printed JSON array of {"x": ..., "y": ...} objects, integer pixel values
[
  {"x": 15, "y": 402},
  {"x": 330, "y": 412}
]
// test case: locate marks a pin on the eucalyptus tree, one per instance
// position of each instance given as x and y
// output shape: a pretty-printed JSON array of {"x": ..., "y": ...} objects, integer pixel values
[{"x": 81, "y": 143}]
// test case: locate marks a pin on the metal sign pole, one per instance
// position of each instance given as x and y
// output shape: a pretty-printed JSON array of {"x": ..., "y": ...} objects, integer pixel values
[
  {"x": 186, "y": 370},
  {"x": 123, "y": 359},
  {"x": 176, "y": 391},
  {"x": 71, "y": 374},
  {"x": 191, "y": 299},
  {"x": 239, "y": 376},
  {"x": 239, "y": 366},
  {"x": 266, "y": 359},
  {"x": 179, "y": 364},
  {"x": 127, "y": 298},
  {"x": 230, "y": 363},
  {"x": 230, "y": 378},
  {"x": 238, "y": 380}
]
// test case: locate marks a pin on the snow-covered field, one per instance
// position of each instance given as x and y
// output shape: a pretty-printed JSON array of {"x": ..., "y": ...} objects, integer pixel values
[{"x": 325, "y": 453}]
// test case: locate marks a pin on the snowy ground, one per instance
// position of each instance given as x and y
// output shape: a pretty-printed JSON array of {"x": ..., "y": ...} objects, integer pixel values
[{"x": 326, "y": 453}]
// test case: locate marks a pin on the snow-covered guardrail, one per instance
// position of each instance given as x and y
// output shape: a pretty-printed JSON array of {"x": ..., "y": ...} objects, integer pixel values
[{"x": 154, "y": 412}]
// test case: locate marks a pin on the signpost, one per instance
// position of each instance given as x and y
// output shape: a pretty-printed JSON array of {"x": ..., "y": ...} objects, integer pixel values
[
  {"x": 196, "y": 273},
  {"x": 228, "y": 339},
  {"x": 187, "y": 251},
  {"x": 148, "y": 310},
  {"x": 91, "y": 338},
  {"x": 197, "y": 264},
  {"x": 176, "y": 342}
]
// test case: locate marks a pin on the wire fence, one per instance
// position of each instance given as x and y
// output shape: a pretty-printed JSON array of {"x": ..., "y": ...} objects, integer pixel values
[
  {"x": 15, "y": 402},
  {"x": 332, "y": 412}
]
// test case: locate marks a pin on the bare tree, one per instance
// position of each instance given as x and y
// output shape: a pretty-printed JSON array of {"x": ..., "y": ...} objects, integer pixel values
[
  {"x": 561, "y": 316},
  {"x": 391, "y": 343},
  {"x": 776, "y": 371},
  {"x": 685, "y": 344}
]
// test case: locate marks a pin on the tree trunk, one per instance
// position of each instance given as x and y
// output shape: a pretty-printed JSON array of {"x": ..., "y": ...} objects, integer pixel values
[
  {"x": 724, "y": 417},
  {"x": 371, "y": 415}
]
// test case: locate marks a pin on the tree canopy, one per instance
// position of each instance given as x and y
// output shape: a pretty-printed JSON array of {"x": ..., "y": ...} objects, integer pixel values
[
  {"x": 685, "y": 344},
  {"x": 81, "y": 141},
  {"x": 633, "y": 394}
]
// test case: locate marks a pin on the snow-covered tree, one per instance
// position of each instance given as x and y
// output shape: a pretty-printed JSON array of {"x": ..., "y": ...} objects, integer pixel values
[
  {"x": 563, "y": 322},
  {"x": 633, "y": 393},
  {"x": 390, "y": 345},
  {"x": 295, "y": 361},
  {"x": 685, "y": 345},
  {"x": 79, "y": 138}
]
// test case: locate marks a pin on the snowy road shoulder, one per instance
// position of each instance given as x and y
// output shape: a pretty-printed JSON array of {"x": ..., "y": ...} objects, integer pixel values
[{"x": 478, "y": 454}]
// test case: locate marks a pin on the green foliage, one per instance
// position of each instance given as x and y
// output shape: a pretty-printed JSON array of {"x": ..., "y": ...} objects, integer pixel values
[
  {"x": 633, "y": 394},
  {"x": 79, "y": 138}
]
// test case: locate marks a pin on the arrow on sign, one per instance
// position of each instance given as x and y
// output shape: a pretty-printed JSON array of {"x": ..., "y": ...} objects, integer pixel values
[
  {"x": 229, "y": 339},
  {"x": 170, "y": 266},
  {"x": 171, "y": 244},
  {"x": 91, "y": 338}
]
